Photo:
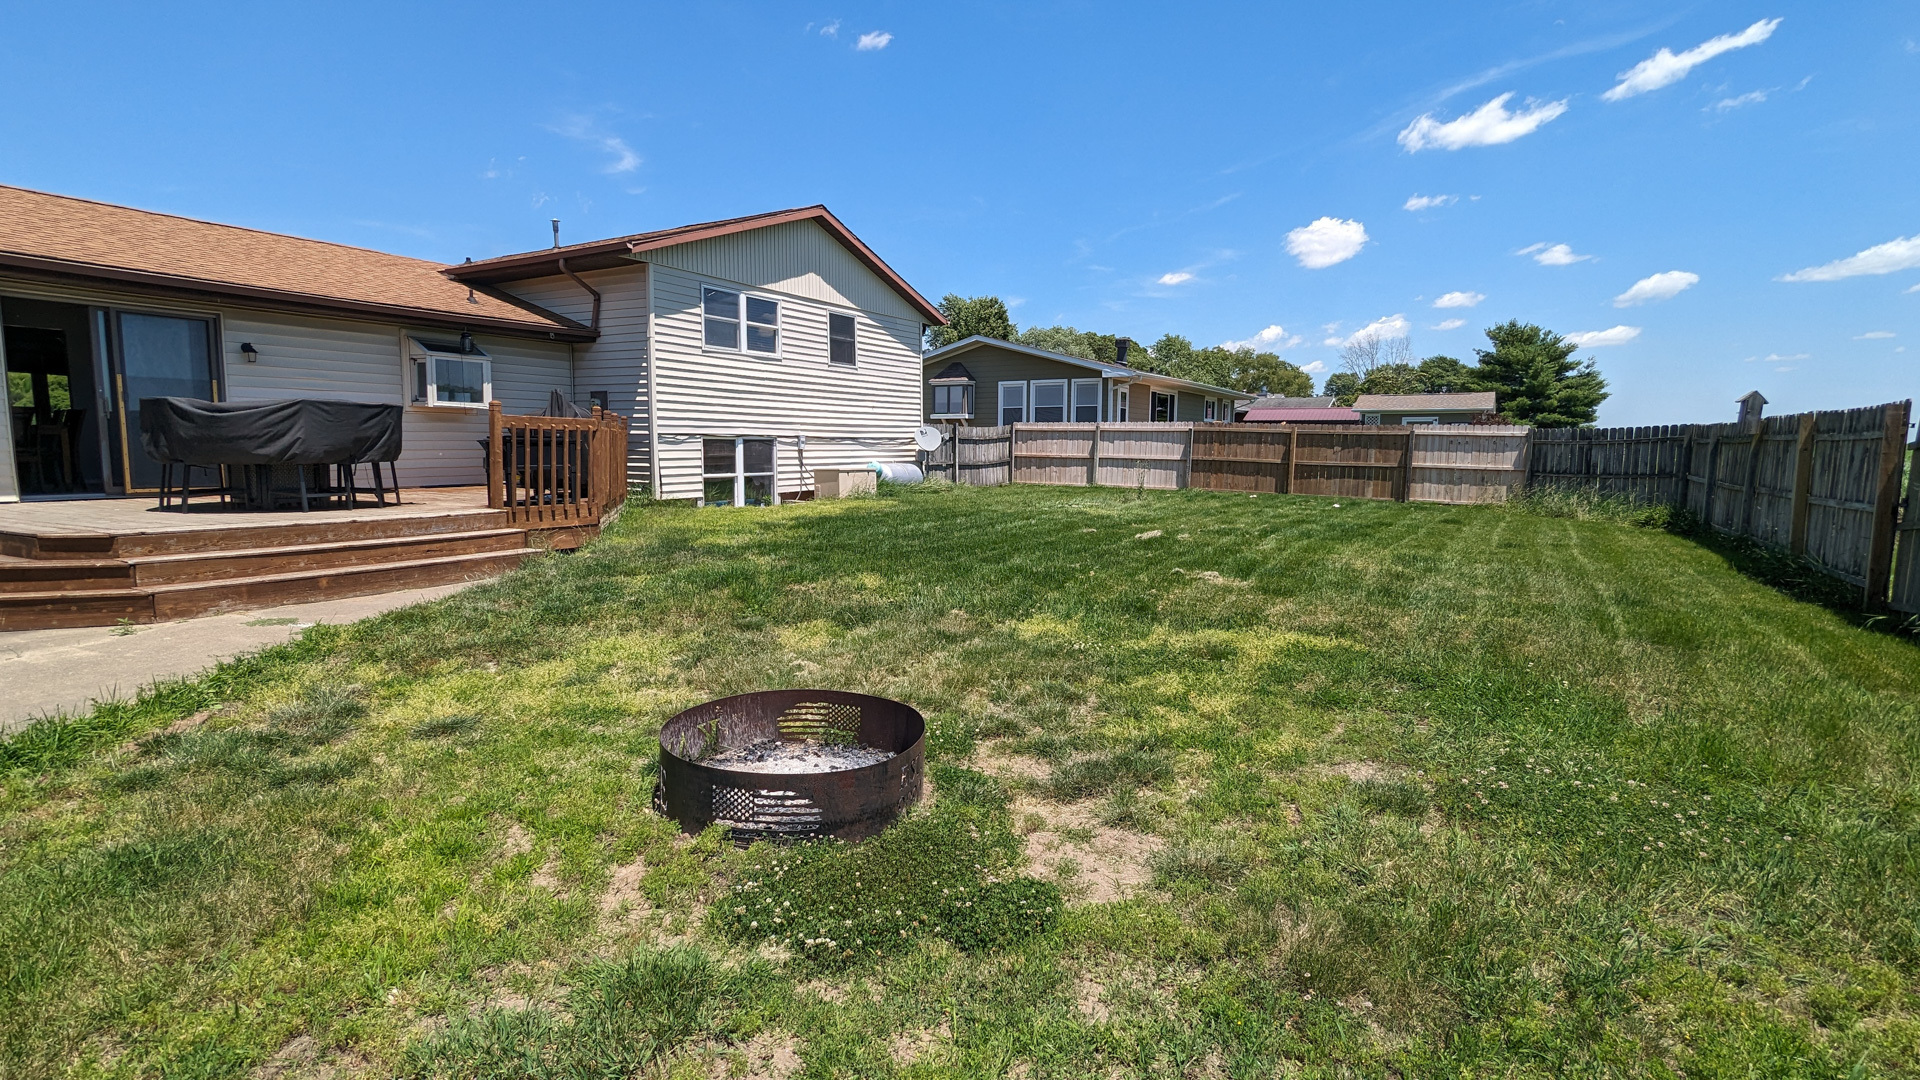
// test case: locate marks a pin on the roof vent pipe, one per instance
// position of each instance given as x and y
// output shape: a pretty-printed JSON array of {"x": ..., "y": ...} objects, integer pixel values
[{"x": 556, "y": 232}]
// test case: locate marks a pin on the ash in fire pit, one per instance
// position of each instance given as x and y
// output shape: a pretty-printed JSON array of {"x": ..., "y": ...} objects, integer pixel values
[
  {"x": 780, "y": 756},
  {"x": 791, "y": 764}
]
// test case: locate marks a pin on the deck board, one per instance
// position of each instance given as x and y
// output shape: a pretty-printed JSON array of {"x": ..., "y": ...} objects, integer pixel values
[{"x": 141, "y": 515}]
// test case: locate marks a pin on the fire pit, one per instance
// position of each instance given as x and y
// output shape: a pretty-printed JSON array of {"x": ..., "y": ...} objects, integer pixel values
[{"x": 791, "y": 765}]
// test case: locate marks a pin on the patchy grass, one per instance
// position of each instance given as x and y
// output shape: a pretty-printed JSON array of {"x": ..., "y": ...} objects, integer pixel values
[{"x": 1380, "y": 790}]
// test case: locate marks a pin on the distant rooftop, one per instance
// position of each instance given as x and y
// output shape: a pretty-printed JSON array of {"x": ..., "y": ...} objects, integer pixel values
[{"x": 1480, "y": 402}]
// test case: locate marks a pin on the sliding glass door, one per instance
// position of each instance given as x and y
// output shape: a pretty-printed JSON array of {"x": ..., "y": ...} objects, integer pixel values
[{"x": 157, "y": 356}]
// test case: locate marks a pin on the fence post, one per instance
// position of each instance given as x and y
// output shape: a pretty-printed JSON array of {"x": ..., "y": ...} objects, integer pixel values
[
  {"x": 1293, "y": 454},
  {"x": 495, "y": 497},
  {"x": 1186, "y": 478},
  {"x": 1406, "y": 468},
  {"x": 1093, "y": 458},
  {"x": 1802, "y": 486},
  {"x": 1886, "y": 510}
]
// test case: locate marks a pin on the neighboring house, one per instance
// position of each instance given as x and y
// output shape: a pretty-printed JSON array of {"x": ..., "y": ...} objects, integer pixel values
[
  {"x": 985, "y": 382},
  {"x": 1427, "y": 408},
  {"x": 1280, "y": 409},
  {"x": 748, "y": 335}
]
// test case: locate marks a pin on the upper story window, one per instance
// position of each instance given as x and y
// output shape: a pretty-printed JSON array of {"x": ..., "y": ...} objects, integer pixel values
[
  {"x": 455, "y": 373},
  {"x": 737, "y": 321},
  {"x": 840, "y": 340}
]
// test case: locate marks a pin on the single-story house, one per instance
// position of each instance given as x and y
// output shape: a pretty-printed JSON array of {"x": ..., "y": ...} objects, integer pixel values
[
  {"x": 744, "y": 352},
  {"x": 986, "y": 382},
  {"x": 1478, "y": 408},
  {"x": 1281, "y": 409}
]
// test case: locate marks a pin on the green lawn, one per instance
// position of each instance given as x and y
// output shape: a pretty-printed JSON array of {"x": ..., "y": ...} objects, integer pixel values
[{"x": 1313, "y": 788}]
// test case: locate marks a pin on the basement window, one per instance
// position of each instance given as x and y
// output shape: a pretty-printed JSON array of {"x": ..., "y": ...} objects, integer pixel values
[
  {"x": 458, "y": 373},
  {"x": 738, "y": 472}
]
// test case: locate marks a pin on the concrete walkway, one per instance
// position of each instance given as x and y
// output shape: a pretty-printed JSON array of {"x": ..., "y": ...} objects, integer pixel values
[{"x": 48, "y": 672}]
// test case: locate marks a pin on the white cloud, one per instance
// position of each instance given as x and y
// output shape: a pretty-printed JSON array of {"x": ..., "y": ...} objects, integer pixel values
[
  {"x": 1489, "y": 125},
  {"x": 1664, "y": 286},
  {"x": 1664, "y": 67},
  {"x": 1594, "y": 339},
  {"x": 625, "y": 159},
  {"x": 1887, "y": 258},
  {"x": 831, "y": 30},
  {"x": 1175, "y": 278},
  {"x": 1876, "y": 335},
  {"x": 1388, "y": 326},
  {"x": 1428, "y": 202},
  {"x": 1751, "y": 97},
  {"x": 1314, "y": 368},
  {"x": 1449, "y": 324},
  {"x": 1326, "y": 241},
  {"x": 1273, "y": 337},
  {"x": 1911, "y": 289},
  {"x": 873, "y": 40},
  {"x": 1556, "y": 255},
  {"x": 1459, "y": 299}
]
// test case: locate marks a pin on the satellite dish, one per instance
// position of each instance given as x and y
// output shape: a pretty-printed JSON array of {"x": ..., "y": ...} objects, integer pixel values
[{"x": 928, "y": 437}]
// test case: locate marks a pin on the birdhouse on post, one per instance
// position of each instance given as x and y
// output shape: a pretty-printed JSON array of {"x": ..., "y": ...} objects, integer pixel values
[{"x": 1751, "y": 404}]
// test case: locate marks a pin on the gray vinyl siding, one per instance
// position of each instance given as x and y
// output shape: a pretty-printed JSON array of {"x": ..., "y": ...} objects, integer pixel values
[
  {"x": 990, "y": 367},
  {"x": 616, "y": 363},
  {"x": 799, "y": 259},
  {"x": 849, "y": 415}
]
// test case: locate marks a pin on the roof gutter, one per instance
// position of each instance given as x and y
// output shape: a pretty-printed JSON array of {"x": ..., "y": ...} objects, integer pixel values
[{"x": 594, "y": 323}]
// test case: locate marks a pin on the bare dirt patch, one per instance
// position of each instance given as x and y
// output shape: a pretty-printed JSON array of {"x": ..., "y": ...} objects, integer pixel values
[
  {"x": 772, "y": 1055},
  {"x": 990, "y": 759},
  {"x": 908, "y": 1047},
  {"x": 1094, "y": 863},
  {"x": 1090, "y": 996},
  {"x": 623, "y": 899},
  {"x": 305, "y": 1058},
  {"x": 1213, "y": 577},
  {"x": 518, "y": 840},
  {"x": 1361, "y": 772},
  {"x": 548, "y": 877}
]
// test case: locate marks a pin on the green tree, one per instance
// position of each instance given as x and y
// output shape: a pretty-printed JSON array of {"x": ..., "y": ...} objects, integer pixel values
[
  {"x": 1168, "y": 353},
  {"x": 1244, "y": 370},
  {"x": 1393, "y": 379},
  {"x": 1061, "y": 339},
  {"x": 967, "y": 316},
  {"x": 1445, "y": 375},
  {"x": 1539, "y": 382},
  {"x": 1344, "y": 386}
]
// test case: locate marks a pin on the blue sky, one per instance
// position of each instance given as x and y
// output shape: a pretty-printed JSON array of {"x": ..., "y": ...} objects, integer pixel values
[{"x": 1078, "y": 159}]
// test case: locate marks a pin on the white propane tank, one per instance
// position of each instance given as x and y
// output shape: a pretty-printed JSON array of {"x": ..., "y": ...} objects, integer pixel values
[{"x": 897, "y": 472}]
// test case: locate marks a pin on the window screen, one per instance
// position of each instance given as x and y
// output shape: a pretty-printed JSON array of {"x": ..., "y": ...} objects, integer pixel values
[
  {"x": 1049, "y": 402},
  {"x": 1013, "y": 402},
  {"x": 723, "y": 318},
  {"x": 840, "y": 339},
  {"x": 763, "y": 325},
  {"x": 1086, "y": 401}
]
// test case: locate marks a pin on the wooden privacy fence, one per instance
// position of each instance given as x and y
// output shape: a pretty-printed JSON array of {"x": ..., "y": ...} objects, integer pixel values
[
  {"x": 1647, "y": 464},
  {"x": 556, "y": 469}
]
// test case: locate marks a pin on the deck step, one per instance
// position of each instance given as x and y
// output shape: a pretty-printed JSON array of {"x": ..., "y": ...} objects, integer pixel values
[
  {"x": 225, "y": 531},
  {"x": 62, "y": 575},
  {"x": 105, "y": 607},
  {"x": 227, "y": 565}
]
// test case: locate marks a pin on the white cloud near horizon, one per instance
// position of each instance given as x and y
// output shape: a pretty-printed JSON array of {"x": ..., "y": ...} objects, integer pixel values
[
  {"x": 1594, "y": 339},
  {"x": 1876, "y": 335},
  {"x": 873, "y": 40},
  {"x": 1448, "y": 324},
  {"x": 1387, "y": 326},
  {"x": 1662, "y": 286},
  {"x": 1665, "y": 67},
  {"x": 1893, "y": 256},
  {"x": 1428, "y": 202},
  {"x": 1273, "y": 337},
  {"x": 1464, "y": 298},
  {"x": 1326, "y": 241},
  {"x": 1555, "y": 255},
  {"x": 1177, "y": 277},
  {"x": 1314, "y": 368},
  {"x": 1489, "y": 125}
]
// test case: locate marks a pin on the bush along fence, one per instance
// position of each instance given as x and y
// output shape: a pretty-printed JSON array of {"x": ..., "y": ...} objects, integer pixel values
[{"x": 1824, "y": 486}]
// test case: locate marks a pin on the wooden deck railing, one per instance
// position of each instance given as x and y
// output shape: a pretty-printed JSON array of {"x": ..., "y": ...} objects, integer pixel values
[{"x": 544, "y": 469}]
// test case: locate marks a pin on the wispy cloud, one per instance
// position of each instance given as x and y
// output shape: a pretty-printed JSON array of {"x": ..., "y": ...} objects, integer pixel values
[
  {"x": 1326, "y": 241},
  {"x": 831, "y": 30},
  {"x": 1459, "y": 299},
  {"x": 1887, "y": 258},
  {"x": 1594, "y": 339},
  {"x": 1273, "y": 337},
  {"x": 1751, "y": 97},
  {"x": 583, "y": 129},
  {"x": 1911, "y": 289},
  {"x": 1448, "y": 324},
  {"x": 1876, "y": 335},
  {"x": 1428, "y": 202},
  {"x": 1177, "y": 277},
  {"x": 1554, "y": 255},
  {"x": 1663, "y": 286},
  {"x": 1387, "y": 326},
  {"x": 873, "y": 40},
  {"x": 1489, "y": 125},
  {"x": 1666, "y": 67}
]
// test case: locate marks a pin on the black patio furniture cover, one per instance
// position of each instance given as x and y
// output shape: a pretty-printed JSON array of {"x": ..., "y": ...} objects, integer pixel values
[{"x": 301, "y": 431}]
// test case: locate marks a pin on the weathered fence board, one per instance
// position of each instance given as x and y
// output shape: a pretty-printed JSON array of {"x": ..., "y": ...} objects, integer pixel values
[
  {"x": 977, "y": 456},
  {"x": 1646, "y": 464},
  {"x": 1906, "y": 552},
  {"x": 1467, "y": 463}
]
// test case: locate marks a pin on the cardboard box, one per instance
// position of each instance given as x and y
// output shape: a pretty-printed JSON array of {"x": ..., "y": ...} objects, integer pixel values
[{"x": 840, "y": 483}]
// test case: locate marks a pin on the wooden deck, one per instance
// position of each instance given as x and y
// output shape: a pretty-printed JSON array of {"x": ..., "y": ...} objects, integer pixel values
[{"x": 97, "y": 562}]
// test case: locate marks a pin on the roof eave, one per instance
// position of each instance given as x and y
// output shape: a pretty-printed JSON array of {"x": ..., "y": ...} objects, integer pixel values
[{"x": 561, "y": 329}]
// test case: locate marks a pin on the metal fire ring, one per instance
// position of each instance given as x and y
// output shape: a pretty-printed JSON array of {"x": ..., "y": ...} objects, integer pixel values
[{"x": 849, "y": 804}]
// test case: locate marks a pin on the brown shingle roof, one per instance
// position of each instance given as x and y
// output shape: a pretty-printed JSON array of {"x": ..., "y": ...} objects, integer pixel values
[
  {"x": 77, "y": 237},
  {"x": 1483, "y": 402}
]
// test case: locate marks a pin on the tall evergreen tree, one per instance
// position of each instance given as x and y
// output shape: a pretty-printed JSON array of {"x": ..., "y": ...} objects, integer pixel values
[{"x": 1539, "y": 382}]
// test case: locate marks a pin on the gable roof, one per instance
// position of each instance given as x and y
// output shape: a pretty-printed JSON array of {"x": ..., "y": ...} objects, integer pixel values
[
  {"x": 1106, "y": 370},
  {"x": 68, "y": 237},
  {"x": 618, "y": 251},
  {"x": 1480, "y": 402},
  {"x": 954, "y": 372}
]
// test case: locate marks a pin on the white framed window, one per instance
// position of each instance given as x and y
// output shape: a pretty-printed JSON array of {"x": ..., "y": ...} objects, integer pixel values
[
  {"x": 1420, "y": 420},
  {"x": 739, "y": 322},
  {"x": 738, "y": 472},
  {"x": 953, "y": 401},
  {"x": 1086, "y": 401},
  {"x": 1013, "y": 403},
  {"x": 841, "y": 344},
  {"x": 1122, "y": 397},
  {"x": 1049, "y": 401},
  {"x": 1162, "y": 408},
  {"x": 455, "y": 374},
  {"x": 1208, "y": 411}
]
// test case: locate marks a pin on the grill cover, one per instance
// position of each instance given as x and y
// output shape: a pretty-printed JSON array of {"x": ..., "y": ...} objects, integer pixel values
[{"x": 302, "y": 431}]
